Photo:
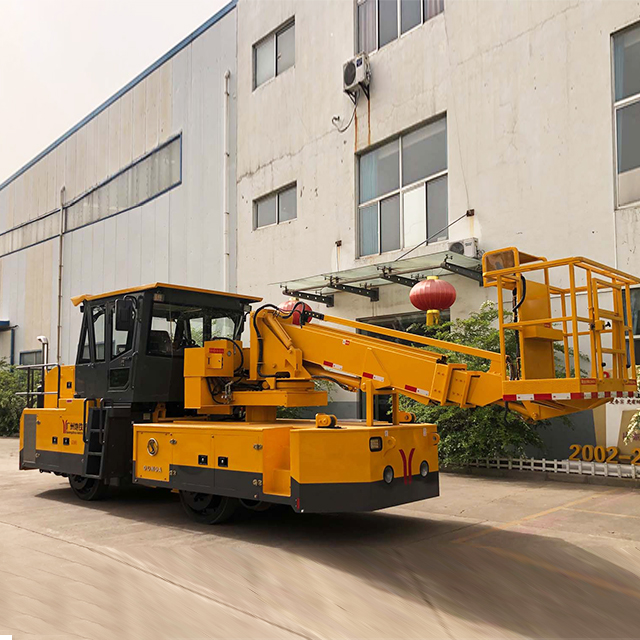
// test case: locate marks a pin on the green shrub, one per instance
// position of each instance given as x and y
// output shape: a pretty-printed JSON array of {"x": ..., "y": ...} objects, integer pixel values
[
  {"x": 468, "y": 434},
  {"x": 11, "y": 381}
]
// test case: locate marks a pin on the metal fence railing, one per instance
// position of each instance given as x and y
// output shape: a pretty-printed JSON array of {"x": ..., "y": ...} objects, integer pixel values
[{"x": 575, "y": 467}]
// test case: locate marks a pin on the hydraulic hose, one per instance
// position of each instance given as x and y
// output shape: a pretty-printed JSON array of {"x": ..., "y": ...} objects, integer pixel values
[{"x": 278, "y": 374}]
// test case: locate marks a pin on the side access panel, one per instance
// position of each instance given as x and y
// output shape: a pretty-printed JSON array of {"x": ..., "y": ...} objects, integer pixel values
[
  {"x": 29, "y": 427},
  {"x": 51, "y": 439},
  {"x": 220, "y": 460}
]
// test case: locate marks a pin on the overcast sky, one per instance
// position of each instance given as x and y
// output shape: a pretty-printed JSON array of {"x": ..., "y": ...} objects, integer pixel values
[{"x": 60, "y": 59}]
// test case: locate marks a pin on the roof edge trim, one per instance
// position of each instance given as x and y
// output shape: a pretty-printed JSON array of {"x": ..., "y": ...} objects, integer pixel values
[{"x": 85, "y": 297}]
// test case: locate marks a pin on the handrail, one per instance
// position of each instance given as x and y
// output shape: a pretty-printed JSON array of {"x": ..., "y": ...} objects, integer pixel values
[
  {"x": 30, "y": 368},
  {"x": 597, "y": 267}
]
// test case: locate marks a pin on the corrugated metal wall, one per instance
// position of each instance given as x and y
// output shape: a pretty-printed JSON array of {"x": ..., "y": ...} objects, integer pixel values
[{"x": 175, "y": 237}]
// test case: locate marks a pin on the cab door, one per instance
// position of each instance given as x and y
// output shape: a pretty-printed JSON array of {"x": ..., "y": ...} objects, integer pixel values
[
  {"x": 91, "y": 361},
  {"x": 122, "y": 354}
]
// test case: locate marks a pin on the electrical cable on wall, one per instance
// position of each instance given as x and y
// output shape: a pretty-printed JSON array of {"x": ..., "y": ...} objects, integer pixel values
[{"x": 337, "y": 119}]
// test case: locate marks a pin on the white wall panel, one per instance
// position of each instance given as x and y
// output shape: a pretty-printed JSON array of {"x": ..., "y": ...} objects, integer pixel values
[
  {"x": 70, "y": 168},
  {"x": 61, "y": 167},
  {"x": 121, "y": 266},
  {"x": 53, "y": 190},
  {"x": 109, "y": 229},
  {"x": 101, "y": 142},
  {"x": 114, "y": 138},
  {"x": 85, "y": 250},
  {"x": 40, "y": 188},
  {"x": 165, "y": 101},
  {"x": 126, "y": 129},
  {"x": 10, "y": 211},
  {"x": 30, "y": 194},
  {"x": 98, "y": 258},
  {"x": 81, "y": 161},
  {"x": 4, "y": 208},
  {"x": 19, "y": 215},
  {"x": 152, "y": 88},
  {"x": 134, "y": 243},
  {"x": 91, "y": 167},
  {"x": 162, "y": 230},
  {"x": 139, "y": 111},
  {"x": 147, "y": 242}
]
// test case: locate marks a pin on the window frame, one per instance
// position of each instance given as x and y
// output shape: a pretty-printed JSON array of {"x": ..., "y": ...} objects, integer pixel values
[
  {"x": 619, "y": 105},
  {"x": 400, "y": 191},
  {"x": 291, "y": 186},
  {"x": 398, "y": 26},
  {"x": 635, "y": 337},
  {"x": 290, "y": 23},
  {"x": 31, "y": 352}
]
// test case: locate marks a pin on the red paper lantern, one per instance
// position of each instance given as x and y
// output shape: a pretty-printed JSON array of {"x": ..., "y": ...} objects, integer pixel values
[
  {"x": 431, "y": 294},
  {"x": 287, "y": 306}
]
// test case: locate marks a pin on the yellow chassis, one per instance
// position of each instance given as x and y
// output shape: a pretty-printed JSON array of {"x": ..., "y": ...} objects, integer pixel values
[{"x": 291, "y": 462}]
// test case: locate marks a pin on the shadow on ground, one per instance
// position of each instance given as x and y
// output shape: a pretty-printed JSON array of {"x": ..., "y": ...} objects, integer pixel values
[{"x": 536, "y": 586}]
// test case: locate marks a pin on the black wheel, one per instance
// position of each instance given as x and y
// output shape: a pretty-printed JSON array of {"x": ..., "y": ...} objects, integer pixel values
[
  {"x": 255, "y": 505},
  {"x": 207, "y": 509},
  {"x": 87, "y": 488}
]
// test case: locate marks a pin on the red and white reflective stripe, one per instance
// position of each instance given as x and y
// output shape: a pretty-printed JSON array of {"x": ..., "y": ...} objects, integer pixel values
[
  {"x": 346, "y": 342},
  {"x": 216, "y": 350},
  {"x": 332, "y": 365},
  {"x": 422, "y": 392},
  {"x": 372, "y": 376},
  {"x": 520, "y": 397}
]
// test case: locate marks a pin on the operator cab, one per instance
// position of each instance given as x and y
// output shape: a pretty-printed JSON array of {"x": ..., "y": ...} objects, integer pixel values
[{"x": 132, "y": 342}]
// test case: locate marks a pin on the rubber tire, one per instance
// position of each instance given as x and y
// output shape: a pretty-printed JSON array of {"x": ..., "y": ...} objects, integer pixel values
[
  {"x": 255, "y": 505},
  {"x": 88, "y": 488},
  {"x": 205, "y": 508}
]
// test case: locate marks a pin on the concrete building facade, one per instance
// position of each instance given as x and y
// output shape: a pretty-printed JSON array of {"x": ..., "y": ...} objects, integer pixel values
[{"x": 526, "y": 113}]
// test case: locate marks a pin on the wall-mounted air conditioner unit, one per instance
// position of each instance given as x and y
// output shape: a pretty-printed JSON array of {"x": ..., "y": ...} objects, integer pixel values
[
  {"x": 356, "y": 73},
  {"x": 467, "y": 247}
]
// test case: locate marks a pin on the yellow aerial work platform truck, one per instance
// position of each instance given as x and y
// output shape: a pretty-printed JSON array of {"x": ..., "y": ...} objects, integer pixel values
[{"x": 164, "y": 393}]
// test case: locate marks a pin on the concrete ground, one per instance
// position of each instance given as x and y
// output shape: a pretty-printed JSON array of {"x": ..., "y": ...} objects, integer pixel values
[{"x": 491, "y": 558}]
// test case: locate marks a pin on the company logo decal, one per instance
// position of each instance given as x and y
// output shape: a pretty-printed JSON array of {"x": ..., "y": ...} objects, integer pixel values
[
  {"x": 152, "y": 447},
  {"x": 72, "y": 427}
]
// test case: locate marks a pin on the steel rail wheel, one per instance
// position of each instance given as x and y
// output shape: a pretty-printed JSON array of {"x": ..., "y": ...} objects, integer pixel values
[
  {"x": 206, "y": 508},
  {"x": 87, "y": 488}
]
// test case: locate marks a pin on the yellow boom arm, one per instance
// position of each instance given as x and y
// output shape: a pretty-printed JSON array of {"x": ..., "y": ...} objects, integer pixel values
[{"x": 590, "y": 310}]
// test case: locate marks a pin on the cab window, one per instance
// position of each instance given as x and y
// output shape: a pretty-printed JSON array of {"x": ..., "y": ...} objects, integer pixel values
[
  {"x": 122, "y": 340},
  {"x": 99, "y": 331},
  {"x": 84, "y": 354},
  {"x": 176, "y": 327}
]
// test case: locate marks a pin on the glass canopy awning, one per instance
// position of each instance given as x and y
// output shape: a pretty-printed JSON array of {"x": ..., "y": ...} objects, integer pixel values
[{"x": 366, "y": 279}]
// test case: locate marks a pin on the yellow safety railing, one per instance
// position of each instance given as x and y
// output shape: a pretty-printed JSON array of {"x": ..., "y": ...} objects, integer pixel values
[{"x": 594, "y": 315}]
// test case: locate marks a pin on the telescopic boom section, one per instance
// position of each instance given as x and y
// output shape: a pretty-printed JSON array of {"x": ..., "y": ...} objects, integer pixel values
[
  {"x": 544, "y": 378},
  {"x": 373, "y": 365}
]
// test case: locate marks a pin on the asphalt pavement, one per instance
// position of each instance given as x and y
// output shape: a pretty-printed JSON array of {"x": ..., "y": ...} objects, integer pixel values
[{"x": 490, "y": 558}]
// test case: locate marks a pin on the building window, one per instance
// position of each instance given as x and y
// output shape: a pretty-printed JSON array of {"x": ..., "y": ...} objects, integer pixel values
[
  {"x": 380, "y": 21},
  {"x": 626, "y": 54},
  {"x": 149, "y": 177},
  {"x": 276, "y": 208},
  {"x": 274, "y": 54},
  {"x": 635, "y": 319},
  {"x": 403, "y": 191},
  {"x": 31, "y": 357}
]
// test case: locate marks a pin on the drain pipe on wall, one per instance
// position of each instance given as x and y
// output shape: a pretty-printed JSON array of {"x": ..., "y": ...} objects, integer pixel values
[
  {"x": 60, "y": 248},
  {"x": 226, "y": 264}
]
